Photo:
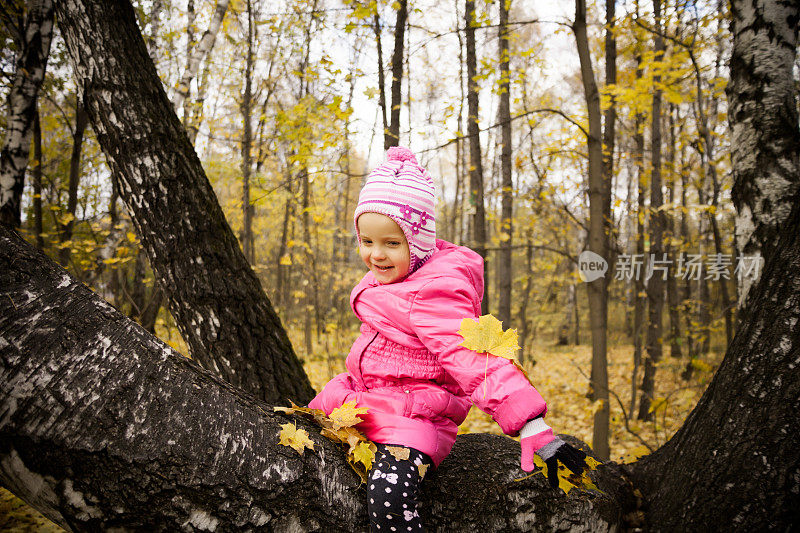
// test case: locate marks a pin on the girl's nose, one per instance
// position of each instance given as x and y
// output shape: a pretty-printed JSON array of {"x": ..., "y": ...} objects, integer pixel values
[{"x": 378, "y": 253}]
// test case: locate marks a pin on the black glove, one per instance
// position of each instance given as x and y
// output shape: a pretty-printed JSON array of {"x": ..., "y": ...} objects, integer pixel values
[{"x": 558, "y": 450}]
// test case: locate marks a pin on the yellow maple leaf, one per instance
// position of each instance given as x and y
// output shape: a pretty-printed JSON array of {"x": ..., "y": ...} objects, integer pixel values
[
  {"x": 487, "y": 336},
  {"x": 423, "y": 469},
  {"x": 364, "y": 454},
  {"x": 400, "y": 453},
  {"x": 295, "y": 438},
  {"x": 347, "y": 415}
]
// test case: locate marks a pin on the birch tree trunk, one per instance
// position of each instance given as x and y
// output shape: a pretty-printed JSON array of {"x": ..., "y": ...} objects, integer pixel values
[
  {"x": 598, "y": 239},
  {"x": 103, "y": 426},
  {"x": 505, "y": 272},
  {"x": 763, "y": 117},
  {"x": 198, "y": 53},
  {"x": 216, "y": 298},
  {"x": 33, "y": 43}
]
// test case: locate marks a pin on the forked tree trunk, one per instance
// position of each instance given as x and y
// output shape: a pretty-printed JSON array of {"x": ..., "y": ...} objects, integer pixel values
[{"x": 216, "y": 299}]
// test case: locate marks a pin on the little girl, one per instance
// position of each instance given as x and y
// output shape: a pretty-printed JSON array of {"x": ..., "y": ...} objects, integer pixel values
[{"x": 408, "y": 367}]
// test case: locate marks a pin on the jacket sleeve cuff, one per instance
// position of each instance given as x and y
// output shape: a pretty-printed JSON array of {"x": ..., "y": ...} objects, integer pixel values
[{"x": 519, "y": 407}]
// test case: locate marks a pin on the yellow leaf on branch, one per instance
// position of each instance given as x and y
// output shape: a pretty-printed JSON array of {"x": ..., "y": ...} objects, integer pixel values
[
  {"x": 347, "y": 415},
  {"x": 295, "y": 438},
  {"x": 364, "y": 453}
]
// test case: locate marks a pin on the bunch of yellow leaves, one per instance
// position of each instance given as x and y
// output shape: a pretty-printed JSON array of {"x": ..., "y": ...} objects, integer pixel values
[{"x": 338, "y": 427}]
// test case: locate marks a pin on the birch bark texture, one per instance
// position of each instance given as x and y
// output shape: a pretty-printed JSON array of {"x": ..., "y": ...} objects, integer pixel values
[
  {"x": 218, "y": 303},
  {"x": 198, "y": 53},
  {"x": 33, "y": 41},
  {"x": 765, "y": 140},
  {"x": 103, "y": 426}
]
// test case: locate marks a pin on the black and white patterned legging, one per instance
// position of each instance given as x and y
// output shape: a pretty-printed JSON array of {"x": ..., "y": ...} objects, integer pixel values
[{"x": 392, "y": 491}]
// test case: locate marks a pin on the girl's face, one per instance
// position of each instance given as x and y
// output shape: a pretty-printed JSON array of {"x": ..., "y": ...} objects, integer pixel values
[{"x": 383, "y": 247}]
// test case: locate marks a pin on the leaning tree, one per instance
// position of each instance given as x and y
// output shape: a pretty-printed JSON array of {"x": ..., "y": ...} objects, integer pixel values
[
  {"x": 218, "y": 303},
  {"x": 102, "y": 426}
]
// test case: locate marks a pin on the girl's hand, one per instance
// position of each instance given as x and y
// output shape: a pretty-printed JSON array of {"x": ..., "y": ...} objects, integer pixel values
[{"x": 538, "y": 438}]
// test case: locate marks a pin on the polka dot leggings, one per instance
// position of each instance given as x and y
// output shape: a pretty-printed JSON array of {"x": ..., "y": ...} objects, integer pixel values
[{"x": 392, "y": 491}]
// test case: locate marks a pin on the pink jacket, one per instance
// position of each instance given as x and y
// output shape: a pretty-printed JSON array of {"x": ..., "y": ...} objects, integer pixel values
[{"x": 407, "y": 366}]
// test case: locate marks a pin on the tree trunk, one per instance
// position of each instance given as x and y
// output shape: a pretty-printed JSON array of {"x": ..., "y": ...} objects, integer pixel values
[
  {"x": 392, "y": 135},
  {"x": 598, "y": 239},
  {"x": 685, "y": 237},
  {"x": 74, "y": 178},
  {"x": 103, "y": 426},
  {"x": 216, "y": 299},
  {"x": 33, "y": 45},
  {"x": 734, "y": 463},
  {"x": 36, "y": 174},
  {"x": 639, "y": 301},
  {"x": 655, "y": 285},
  {"x": 522, "y": 314},
  {"x": 475, "y": 158},
  {"x": 673, "y": 297},
  {"x": 609, "y": 134},
  {"x": 763, "y": 116},
  {"x": 199, "y": 52},
  {"x": 505, "y": 273},
  {"x": 381, "y": 77},
  {"x": 247, "y": 142}
]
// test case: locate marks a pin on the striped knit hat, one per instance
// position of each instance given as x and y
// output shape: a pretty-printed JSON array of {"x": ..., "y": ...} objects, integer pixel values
[{"x": 402, "y": 190}]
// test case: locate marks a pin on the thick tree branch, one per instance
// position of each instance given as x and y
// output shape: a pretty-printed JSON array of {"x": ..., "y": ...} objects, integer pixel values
[{"x": 103, "y": 426}]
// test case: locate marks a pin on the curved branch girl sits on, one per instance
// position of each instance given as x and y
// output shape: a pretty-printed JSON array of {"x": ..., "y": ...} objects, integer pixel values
[{"x": 407, "y": 366}]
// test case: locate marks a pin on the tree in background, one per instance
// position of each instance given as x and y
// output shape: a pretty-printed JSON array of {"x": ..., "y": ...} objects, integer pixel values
[{"x": 31, "y": 29}]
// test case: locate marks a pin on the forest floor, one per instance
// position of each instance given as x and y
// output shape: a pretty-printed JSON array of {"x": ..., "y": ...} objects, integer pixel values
[{"x": 561, "y": 374}]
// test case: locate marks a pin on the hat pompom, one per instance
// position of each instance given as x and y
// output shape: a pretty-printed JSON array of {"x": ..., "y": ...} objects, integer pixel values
[{"x": 399, "y": 153}]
